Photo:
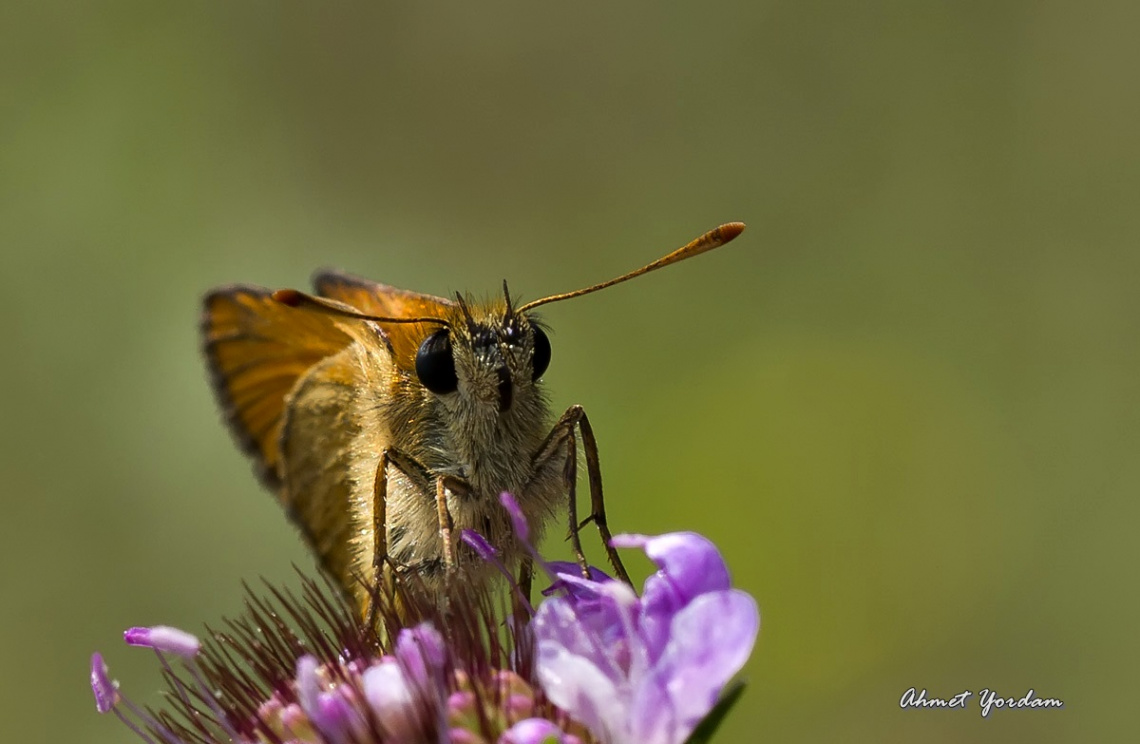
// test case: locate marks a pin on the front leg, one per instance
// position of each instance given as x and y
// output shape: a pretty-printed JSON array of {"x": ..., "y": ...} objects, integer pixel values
[
  {"x": 423, "y": 482},
  {"x": 414, "y": 472},
  {"x": 562, "y": 440},
  {"x": 597, "y": 502}
]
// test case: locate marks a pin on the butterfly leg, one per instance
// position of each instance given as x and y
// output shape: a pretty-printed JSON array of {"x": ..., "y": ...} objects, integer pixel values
[
  {"x": 379, "y": 535},
  {"x": 445, "y": 524},
  {"x": 418, "y": 475},
  {"x": 570, "y": 477},
  {"x": 563, "y": 441},
  {"x": 597, "y": 502}
]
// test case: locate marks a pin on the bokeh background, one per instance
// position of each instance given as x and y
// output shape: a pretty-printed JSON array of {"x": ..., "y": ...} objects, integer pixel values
[{"x": 904, "y": 403}]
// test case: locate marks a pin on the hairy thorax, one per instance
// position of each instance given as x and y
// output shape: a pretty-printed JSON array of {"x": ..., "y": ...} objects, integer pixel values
[{"x": 484, "y": 450}]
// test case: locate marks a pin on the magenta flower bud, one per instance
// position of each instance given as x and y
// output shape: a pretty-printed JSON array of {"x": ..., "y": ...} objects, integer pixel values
[
  {"x": 335, "y": 717},
  {"x": 535, "y": 731},
  {"x": 164, "y": 638},
  {"x": 463, "y": 736},
  {"x": 106, "y": 694},
  {"x": 461, "y": 702},
  {"x": 293, "y": 720},
  {"x": 422, "y": 652},
  {"x": 308, "y": 684},
  {"x": 393, "y": 700}
]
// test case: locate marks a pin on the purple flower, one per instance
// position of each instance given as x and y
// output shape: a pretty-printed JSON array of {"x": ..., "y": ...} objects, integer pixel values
[{"x": 647, "y": 669}]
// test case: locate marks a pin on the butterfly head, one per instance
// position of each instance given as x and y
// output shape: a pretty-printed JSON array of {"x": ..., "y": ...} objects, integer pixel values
[{"x": 485, "y": 355}]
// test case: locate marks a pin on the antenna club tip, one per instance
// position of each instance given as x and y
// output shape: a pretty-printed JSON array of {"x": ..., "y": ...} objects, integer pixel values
[
  {"x": 288, "y": 297},
  {"x": 730, "y": 230}
]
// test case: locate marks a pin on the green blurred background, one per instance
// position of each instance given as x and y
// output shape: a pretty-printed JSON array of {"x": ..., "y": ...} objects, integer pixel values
[{"x": 904, "y": 402}]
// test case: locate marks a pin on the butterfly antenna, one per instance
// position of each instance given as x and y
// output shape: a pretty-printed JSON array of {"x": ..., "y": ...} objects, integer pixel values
[
  {"x": 471, "y": 326},
  {"x": 507, "y": 296},
  {"x": 712, "y": 239}
]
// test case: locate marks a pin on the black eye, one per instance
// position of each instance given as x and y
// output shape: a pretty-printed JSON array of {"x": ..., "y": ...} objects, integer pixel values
[
  {"x": 434, "y": 364},
  {"x": 541, "y": 352}
]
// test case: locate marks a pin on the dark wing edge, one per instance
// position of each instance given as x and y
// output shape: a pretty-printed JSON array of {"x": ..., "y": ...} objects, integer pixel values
[{"x": 252, "y": 397}]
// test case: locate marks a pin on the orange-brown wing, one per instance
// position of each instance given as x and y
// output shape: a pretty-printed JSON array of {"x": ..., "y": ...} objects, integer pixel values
[
  {"x": 256, "y": 350},
  {"x": 374, "y": 298}
]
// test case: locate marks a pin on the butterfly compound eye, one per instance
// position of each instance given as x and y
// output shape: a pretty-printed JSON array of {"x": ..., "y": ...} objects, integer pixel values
[
  {"x": 541, "y": 352},
  {"x": 435, "y": 365}
]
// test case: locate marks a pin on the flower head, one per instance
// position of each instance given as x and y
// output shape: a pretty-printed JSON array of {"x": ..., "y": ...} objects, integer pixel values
[
  {"x": 594, "y": 663},
  {"x": 329, "y": 678}
]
